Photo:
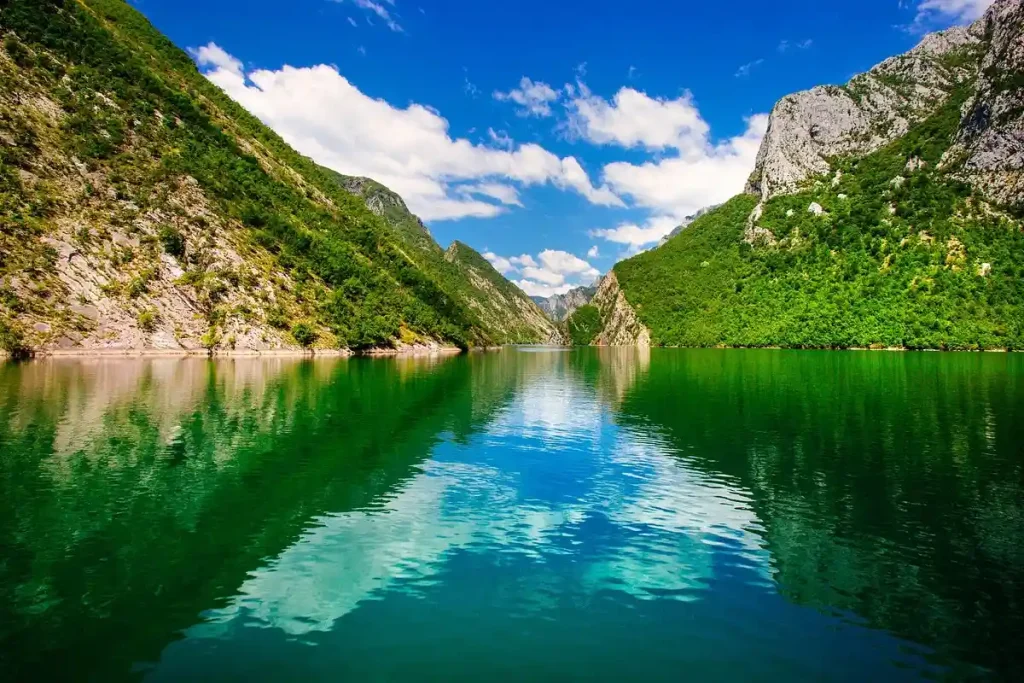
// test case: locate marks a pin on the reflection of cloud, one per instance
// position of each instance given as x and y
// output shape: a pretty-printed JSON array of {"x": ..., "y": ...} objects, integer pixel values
[{"x": 552, "y": 476}]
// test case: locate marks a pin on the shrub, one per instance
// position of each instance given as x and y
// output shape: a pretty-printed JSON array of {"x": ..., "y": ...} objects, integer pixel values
[
  {"x": 304, "y": 334},
  {"x": 277, "y": 318},
  {"x": 12, "y": 339},
  {"x": 211, "y": 338},
  {"x": 173, "y": 241},
  {"x": 147, "y": 320}
]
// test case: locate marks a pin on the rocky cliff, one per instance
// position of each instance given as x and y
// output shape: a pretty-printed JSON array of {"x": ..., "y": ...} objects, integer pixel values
[
  {"x": 883, "y": 213},
  {"x": 620, "y": 324},
  {"x": 988, "y": 150},
  {"x": 558, "y": 307},
  {"x": 807, "y": 129}
]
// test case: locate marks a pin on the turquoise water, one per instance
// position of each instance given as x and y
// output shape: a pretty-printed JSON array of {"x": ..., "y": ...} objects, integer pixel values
[{"x": 528, "y": 514}]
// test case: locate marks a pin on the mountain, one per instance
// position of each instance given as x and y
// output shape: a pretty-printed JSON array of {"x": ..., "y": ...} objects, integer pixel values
[
  {"x": 502, "y": 310},
  {"x": 686, "y": 221},
  {"x": 140, "y": 207},
  {"x": 883, "y": 213},
  {"x": 558, "y": 307}
]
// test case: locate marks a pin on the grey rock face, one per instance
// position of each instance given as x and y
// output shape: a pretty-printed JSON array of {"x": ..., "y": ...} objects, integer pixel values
[
  {"x": 621, "y": 325},
  {"x": 874, "y": 108},
  {"x": 989, "y": 147},
  {"x": 558, "y": 307}
]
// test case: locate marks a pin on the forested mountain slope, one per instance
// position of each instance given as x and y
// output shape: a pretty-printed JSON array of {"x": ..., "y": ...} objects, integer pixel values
[
  {"x": 883, "y": 213},
  {"x": 501, "y": 309},
  {"x": 140, "y": 207}
]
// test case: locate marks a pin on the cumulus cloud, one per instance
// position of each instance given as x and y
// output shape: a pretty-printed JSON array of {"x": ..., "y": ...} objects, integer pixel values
[
  {"x": 930, "y": 12},
  {"x": 634, "y": 119},
  {"x": 634, "y": 235},
  {"x": 593, "y": 252},
  {"x": 551, "y": 272},
  {"x": 533, "y": 98},
  {"x": 215, "y": 57},
  {"x": 500, "y": 263},
  {"x": 745, "y": 69},
  {"x": 324, "y": 116},
  {"x": 675, "y": 187}
]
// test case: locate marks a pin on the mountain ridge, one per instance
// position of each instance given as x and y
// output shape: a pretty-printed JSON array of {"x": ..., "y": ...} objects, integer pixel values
[
  {"x": 142, "y": 208},
  {"x": 885, "y": 213}
]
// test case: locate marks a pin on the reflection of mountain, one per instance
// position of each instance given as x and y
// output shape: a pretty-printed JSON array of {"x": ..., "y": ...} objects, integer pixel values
[
  {"x": 534, "y": 483},
  {"x": 640, "y": 511},
  {"x": 141, "y": 492},
  {"x": 887, "y": 484}
]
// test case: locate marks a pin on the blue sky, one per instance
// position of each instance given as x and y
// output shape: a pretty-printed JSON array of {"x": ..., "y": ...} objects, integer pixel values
[{"x": 557, "y": 136}]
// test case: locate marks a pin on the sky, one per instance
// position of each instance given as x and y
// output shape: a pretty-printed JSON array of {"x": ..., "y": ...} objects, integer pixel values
[{"x": 554, "y": 136}]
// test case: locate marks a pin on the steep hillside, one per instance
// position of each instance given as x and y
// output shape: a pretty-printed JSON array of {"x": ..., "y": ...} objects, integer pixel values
[
  {"x": 558, "y": 307},
  {"x": 140, "y": 207},
  {"x": 686, "y": 221},
  {"x": 496, "y": 305},
  {"x": 508, "y": 314},
  {"x": 896, "y": 224}
]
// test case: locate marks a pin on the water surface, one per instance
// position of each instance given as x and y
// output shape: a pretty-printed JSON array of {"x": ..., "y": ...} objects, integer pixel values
[{"x": 592, "y": 514}]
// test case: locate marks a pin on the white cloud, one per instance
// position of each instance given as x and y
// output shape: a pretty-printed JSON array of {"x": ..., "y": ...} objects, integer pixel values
[
  {"x": 500, "y": 138},
  {"x": 701, "y": 174},
  {"x": 533, "y": 98},
  {"x": 324, "y": 116},
  {"x": 380, "y": 11},
  {"x": 524, "y": 260},
  {"x": 216, "y": 57},
  {"x": 635, "y": 235},
  {"x": 745, "y": 69},
  {"x": 500, "y": 263},
  {"x": 593, "y": 252},
  {"x": 506, "y": 194},
  {"x": 551, "y": 272},
  {"x": 352, "y": 21},
  {"x": 957, "y": 11},
  {"x": 633, "y": 119}
]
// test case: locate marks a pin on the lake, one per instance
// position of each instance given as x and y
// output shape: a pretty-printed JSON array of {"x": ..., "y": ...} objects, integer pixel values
[{"x": 528, "y": 514}]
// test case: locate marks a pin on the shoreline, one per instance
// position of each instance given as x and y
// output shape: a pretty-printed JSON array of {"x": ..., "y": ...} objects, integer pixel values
[
  {"x": 228, "y": 353},
  {"x": 416, "y": 351}
]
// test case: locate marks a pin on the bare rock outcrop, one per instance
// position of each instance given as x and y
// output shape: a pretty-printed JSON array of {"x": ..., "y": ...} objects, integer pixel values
[
  {"x": 621, "y": 325},
  {"x": 989, "y": 147},
  {"x": 806, "y": 128}
]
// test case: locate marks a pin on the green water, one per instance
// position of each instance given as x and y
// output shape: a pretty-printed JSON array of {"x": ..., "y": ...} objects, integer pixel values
[{"x": 521, "y": 515}]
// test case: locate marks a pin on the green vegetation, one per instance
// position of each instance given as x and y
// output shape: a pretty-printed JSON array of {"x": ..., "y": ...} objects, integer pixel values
[
  {"x": 494, "y": 304},
  {"x": 583, "y": 325},
  {"x": 12, "y": 339},
  {"x": 304, "y": 334},
  {"x": 918, "y": 263},
  {"x": 135, "y": 110},
  {"x": 147, "y": 320},
  {"x": 173, "y": 241}
]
